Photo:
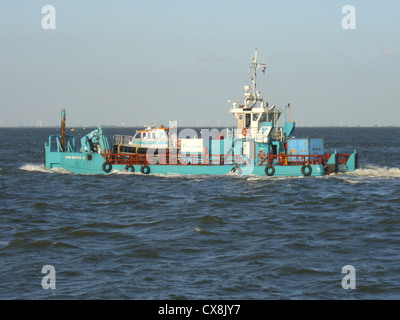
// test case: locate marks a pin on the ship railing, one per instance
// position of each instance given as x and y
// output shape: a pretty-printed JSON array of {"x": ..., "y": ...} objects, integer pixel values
[
  {"x": 208, "y": 159},
  {"x": 122, "y": 139},
  {"x": 54, "y": 143},
  {"x": 175, "y": 159},
  {"x": 295, "y": 160},
  {"x": 125, "y": 158}
]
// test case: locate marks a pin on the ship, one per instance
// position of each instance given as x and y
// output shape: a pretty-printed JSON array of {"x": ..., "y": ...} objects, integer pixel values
[{"x": 258, "y": 145}]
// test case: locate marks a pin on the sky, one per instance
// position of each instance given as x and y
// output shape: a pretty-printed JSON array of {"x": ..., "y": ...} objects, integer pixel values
[{"x": 137, "y": 63}]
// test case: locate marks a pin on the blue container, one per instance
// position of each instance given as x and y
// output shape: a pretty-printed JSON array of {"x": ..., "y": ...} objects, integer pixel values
[{"x": 306, "y": 146}]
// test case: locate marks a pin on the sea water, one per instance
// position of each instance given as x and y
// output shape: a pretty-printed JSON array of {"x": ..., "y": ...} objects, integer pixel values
[{"x": 133, "y": 236}]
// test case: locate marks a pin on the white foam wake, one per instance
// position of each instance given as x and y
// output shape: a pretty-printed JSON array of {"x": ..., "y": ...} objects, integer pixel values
[
  {"x": 33, "y": 167},
  {"x": 374, "y": 172},
  {"x": 379, "y": 172},
  {"x": 41, "y": 168}
]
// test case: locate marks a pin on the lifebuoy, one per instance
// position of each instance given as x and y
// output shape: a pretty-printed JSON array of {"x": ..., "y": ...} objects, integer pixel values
[
  {"x": 270, "y": 170},
  {"x": 244, "y": 132},
  {"x": 145, "y": 169},
  {"x": 306, "y": 170},
  {"x": 178, "y": 143},
  {"x": 130, "y": 168},
  {"x": 261, "y": 154},
  {"x": 107, "y": 167}
]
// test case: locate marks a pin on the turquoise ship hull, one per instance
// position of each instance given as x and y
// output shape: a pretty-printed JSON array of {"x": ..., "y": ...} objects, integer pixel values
[
  {"x": 88, "y": 162},
  {"x": 79, "y": 163}
]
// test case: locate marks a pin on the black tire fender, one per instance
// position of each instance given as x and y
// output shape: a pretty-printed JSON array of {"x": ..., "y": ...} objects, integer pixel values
[
  {"x": 107, "y": 167},
  {"x": 145, "y": 169},
  {"x": 270, "y": 170},
  {"x": 306, "y": 170}
]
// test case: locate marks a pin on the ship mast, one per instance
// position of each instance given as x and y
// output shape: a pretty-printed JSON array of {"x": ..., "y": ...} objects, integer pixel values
[
  {"x": 253, "y": 113},
  {"x": 255, "y": 66}
]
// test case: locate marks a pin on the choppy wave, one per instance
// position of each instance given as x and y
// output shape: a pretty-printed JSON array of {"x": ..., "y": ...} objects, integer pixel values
[
  {"x": 4, "y": 244},
  {"x": 200, "y": 236},
  {"x": 378, "y": 172}
]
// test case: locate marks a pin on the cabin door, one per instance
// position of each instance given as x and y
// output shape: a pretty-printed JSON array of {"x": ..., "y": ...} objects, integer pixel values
[{"x": 248, "y": 120}]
